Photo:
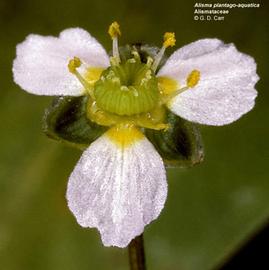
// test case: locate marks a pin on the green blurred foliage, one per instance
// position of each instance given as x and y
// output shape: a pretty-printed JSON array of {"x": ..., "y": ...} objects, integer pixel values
[{"x": 212, "y": 209}]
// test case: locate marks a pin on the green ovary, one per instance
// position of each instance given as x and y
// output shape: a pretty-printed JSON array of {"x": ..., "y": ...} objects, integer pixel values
[{"x": 127, "y": 89}]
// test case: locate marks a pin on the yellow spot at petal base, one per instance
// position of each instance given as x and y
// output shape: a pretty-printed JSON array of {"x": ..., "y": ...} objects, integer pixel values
[
  {"x": 167, "y": 85},
  {"x": 93, "y": 74},
  {"x": 124, "y": 135}
]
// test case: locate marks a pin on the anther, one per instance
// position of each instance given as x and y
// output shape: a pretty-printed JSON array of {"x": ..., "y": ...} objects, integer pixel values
[
  {"x": 114, "y": 30},
  {"x": 193, "y": 78},
  {"x": 74, "y": 64},
  {"x": 169, "y": 40}
]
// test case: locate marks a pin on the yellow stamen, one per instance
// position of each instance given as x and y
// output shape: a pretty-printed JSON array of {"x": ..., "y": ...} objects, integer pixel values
[
  {"x": 114, "y": 30},
  {"x": 74, "y": 64},
  {"x": 193, "y": 78},
  {"x": 169, "y": 39}
]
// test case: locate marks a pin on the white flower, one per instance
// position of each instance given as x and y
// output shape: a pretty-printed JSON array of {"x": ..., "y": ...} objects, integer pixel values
[{"x": 119, "y": 184}]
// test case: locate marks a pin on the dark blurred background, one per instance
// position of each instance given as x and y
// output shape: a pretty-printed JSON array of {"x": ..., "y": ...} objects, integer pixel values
[{"x": 213, "y": 209}]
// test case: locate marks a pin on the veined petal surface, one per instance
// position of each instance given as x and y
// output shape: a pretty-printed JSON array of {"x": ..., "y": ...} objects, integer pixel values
[
  {"x": 118, "y": 189},
  {"x": 41, "y": 63},
  {"x": 226, "y": 89}
]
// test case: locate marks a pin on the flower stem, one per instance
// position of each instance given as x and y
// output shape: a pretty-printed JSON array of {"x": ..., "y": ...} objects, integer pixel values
[{"x": 137, "y": 254}]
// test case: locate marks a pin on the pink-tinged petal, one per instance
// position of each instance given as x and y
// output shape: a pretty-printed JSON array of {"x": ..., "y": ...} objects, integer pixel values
[
  {"x": 117, "y": 189},
  {"x": 226, "y": 89},
  {"x": 41, "y": 63}
]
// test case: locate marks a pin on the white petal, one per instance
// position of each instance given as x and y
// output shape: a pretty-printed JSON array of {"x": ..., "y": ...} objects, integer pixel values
[
  {"x": 226, "y": 88},
  {"x": 41, "y": 63},
  {"x": 117, "y": 190}
]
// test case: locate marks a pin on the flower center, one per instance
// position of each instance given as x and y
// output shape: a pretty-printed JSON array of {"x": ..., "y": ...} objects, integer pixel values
[
  {"x": 127, "y": 88},
  {"x": 128, "y": 92}
]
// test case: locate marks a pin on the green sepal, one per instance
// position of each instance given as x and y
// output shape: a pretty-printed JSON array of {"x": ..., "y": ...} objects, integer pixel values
[
  {"x": 179, "y": 146},
  {"x": 66, "y": 121}
]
